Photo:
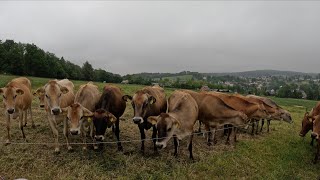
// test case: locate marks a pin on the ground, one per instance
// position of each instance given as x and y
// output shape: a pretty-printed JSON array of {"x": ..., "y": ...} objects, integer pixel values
[{"x": 280, "y": 154}]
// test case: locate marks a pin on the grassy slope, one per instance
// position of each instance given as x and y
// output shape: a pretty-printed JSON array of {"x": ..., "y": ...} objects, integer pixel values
[{"x": 281, "y": 154}]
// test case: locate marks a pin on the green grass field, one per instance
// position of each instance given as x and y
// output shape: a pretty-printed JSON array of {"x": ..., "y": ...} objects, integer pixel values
[{"x": 280, "y": 154}]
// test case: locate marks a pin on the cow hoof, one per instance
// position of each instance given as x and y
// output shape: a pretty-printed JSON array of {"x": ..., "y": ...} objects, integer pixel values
[
  {"x": 95, "y": 147},
  {"x": 7, "y": 142},
  {"x": 228, "y": 143},
  {"x": 57, "y": 150},
  {"x": 120, "y": 148},
  {"x": 69, "y": 148},
  {"x": 209, "y": 143},
  {"x": 25, "y": 125},
  {"x": 33, "y": 126},
  {"x": 84, "y": 148},
  {"x": 25, "y": 140}
]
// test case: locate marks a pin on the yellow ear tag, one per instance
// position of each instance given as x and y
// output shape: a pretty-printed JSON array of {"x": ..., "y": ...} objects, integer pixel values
[{"x": 89, "y": 119}]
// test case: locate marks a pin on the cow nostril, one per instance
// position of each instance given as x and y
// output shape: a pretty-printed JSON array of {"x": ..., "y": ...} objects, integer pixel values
[
  {"x": 10, "y": 111},
  {"x": 74, "y": 132},
  {"x": 42, "y": 106}
]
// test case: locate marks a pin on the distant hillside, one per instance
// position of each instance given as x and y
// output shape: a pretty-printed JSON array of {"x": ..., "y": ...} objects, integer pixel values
[{"x": 261, "y": 73}]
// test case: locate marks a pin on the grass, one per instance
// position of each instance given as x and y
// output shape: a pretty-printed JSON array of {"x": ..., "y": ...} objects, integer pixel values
[{"x": 280, "y": 154}]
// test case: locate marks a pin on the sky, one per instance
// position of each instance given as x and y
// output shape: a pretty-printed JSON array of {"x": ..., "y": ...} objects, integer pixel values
[{"x": 127, "y": 37}]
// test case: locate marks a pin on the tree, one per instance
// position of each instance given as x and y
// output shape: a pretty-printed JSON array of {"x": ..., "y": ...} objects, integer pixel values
[{"x": 87, "y": 71}]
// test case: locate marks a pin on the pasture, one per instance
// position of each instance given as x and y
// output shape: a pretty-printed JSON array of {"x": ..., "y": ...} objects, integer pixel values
[{"x": 280, "y": 154}]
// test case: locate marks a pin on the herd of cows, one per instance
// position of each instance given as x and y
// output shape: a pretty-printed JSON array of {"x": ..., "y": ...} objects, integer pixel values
[{"x": 89, "y": 112}]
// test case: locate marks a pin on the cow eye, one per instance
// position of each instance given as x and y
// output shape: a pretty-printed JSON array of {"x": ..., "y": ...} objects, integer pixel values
[
  {"x": 169, "y": 129},
  {"x": 60, "y": 94},
  {"x": 4, "y": 97},
  {"x": 14, "y": 96},
  {"x": 47, "y": 96}
]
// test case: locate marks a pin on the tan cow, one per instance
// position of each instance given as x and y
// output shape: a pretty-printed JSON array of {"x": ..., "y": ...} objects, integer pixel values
[
  {"x": 57, "y": 96},
  {"x": 17, "y": 101},
  {"x": 149, "y": 101},
  {"x": 80, "y": 113},
  {"x": 178, "y": 122},
  {"x": 213, "y": 112},
  {"x": 275, "y": 111}
]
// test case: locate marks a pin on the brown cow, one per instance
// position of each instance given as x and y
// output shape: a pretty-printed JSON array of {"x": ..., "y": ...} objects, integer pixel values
[
  {"x": 178, "y": 122},
  {"x": 275, "y": 111},
  {"x": 306, "y": 126},
  {"x": 57, "y": 96},
  {"x": 17, "y": 100},
  {"x": 213, "y": 112},
  {"x": 149, "y": 101},
  {"x": 316, "y": 133},
  {"x": 80, "y": 113},
  {"x": 254, "y": 111},
  {"x": 109, "y": 109},
  {"x": 316, "y": 110}
]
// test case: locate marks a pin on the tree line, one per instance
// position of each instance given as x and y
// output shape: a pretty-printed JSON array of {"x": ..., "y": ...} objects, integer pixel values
[{"x": 29, "y": 60}]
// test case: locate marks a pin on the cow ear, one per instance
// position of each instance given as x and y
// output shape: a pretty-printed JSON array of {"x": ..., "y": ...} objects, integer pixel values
[
  {"x": 112, "y": 118},
  {"x": 153, "y": 120},
  {"x": 64, "y": 90},
  {"x": 64, "y": 110},
  {"x": 19, "y": 91},
  {"x": 87, "y": 112},
  {"x": 126, "y": 97},
  {"x": 152, "y": 100},
  {"x": 176, "y": 123}
]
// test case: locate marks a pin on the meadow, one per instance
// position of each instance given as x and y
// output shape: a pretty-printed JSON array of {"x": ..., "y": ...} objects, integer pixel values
[{"x": 280, "y": 154}]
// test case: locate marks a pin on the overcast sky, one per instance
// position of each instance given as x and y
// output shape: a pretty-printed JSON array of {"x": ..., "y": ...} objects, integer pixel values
[{"x": 161, "y": 36}]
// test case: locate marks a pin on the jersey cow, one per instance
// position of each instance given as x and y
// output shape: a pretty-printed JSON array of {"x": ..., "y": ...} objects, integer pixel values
[
  {"x": 58, "y": 95},
  {"x": 17, "y": 101},
  {"x": 109, "y": 109},
  {"x": 178, "y": 122},
  {"x": 149, "y": 101},
  {"x": 80, "y": 113}
]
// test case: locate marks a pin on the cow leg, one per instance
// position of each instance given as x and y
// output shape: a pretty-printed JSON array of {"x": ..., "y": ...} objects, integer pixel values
[
  {"x": 31, "y": 117},
  {"x": 22, "y": 116},
  {"x": 257, "y": 126},
  {"x": 8, "y": 141},
  {"x": 95, "y": 145},
  {"x": 229, "y": 133},
  {"x": 143, "y": 137},
  {"x": 235, "y": 129},
  {"x": 209, "y": 138},
  {"x": 190, "y": 147},
  {"x": 268, "y": 124},
  {"x": 176, "y": 145},
  {"x": 252, "y": 124},
  {"x": 84, "y": 139},
  {"x": 53, "y": 127},
  {"x": 117, "y": 133},
  {"x": 25, "y": 115},
  {"x": 262, "y": 123},
  {"x": 154, "y": 138},
  {"x": 66, "y": 134},
  {"x": 312, "y": 139}
]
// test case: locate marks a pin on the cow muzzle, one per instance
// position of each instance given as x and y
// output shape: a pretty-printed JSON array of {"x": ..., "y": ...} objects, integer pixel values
[
  {"x": 56, "y": 111},
  {"x": 74, "y": 131},
  {"x": 137, "y": 120},
  {"x": 314, "y": 134},
  {"x": 10, "y": 110},
  {"x": 99, "y": 137}
]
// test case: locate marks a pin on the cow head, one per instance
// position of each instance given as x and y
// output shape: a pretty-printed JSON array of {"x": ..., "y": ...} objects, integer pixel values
[
  {"x": 316, "y": 127},
  {"x": 102, "y": 120},
  {"x": 141, "y": 103},
  {"x": 166, "y": 125},
  {"x": 10, "y": 95},
  {"x": 76, "y": 114},
  {"x": 307, "y": 124},
  {"x": 53, "y": 93},
  {"x": 260, "y": 112},
  {"x": 40, "y": 94}
]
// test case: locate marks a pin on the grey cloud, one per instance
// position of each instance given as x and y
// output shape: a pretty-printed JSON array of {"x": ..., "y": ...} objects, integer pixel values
[{"x": 139, "y": 36}]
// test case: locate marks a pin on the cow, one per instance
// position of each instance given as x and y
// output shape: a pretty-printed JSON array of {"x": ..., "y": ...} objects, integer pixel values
[
  {"x": 80, "y": 113},
  {"x": 316, "y": 133},
  {"x": 213, "y": 113},
  {"x": 17, "y": 99},
  {"x": 149, "y": 101},
  {"x": 306, "y": 126},
  {"x": 178, "y": 122},
  {"x": 316, "y": 110},
  {"x": 40, "y": 94},
  {"x": 254, "y": 111},
  {"x": 58, "y": 95},
  {"x": 275, "y": 111},
  {"x": 109, "y": 109}
]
